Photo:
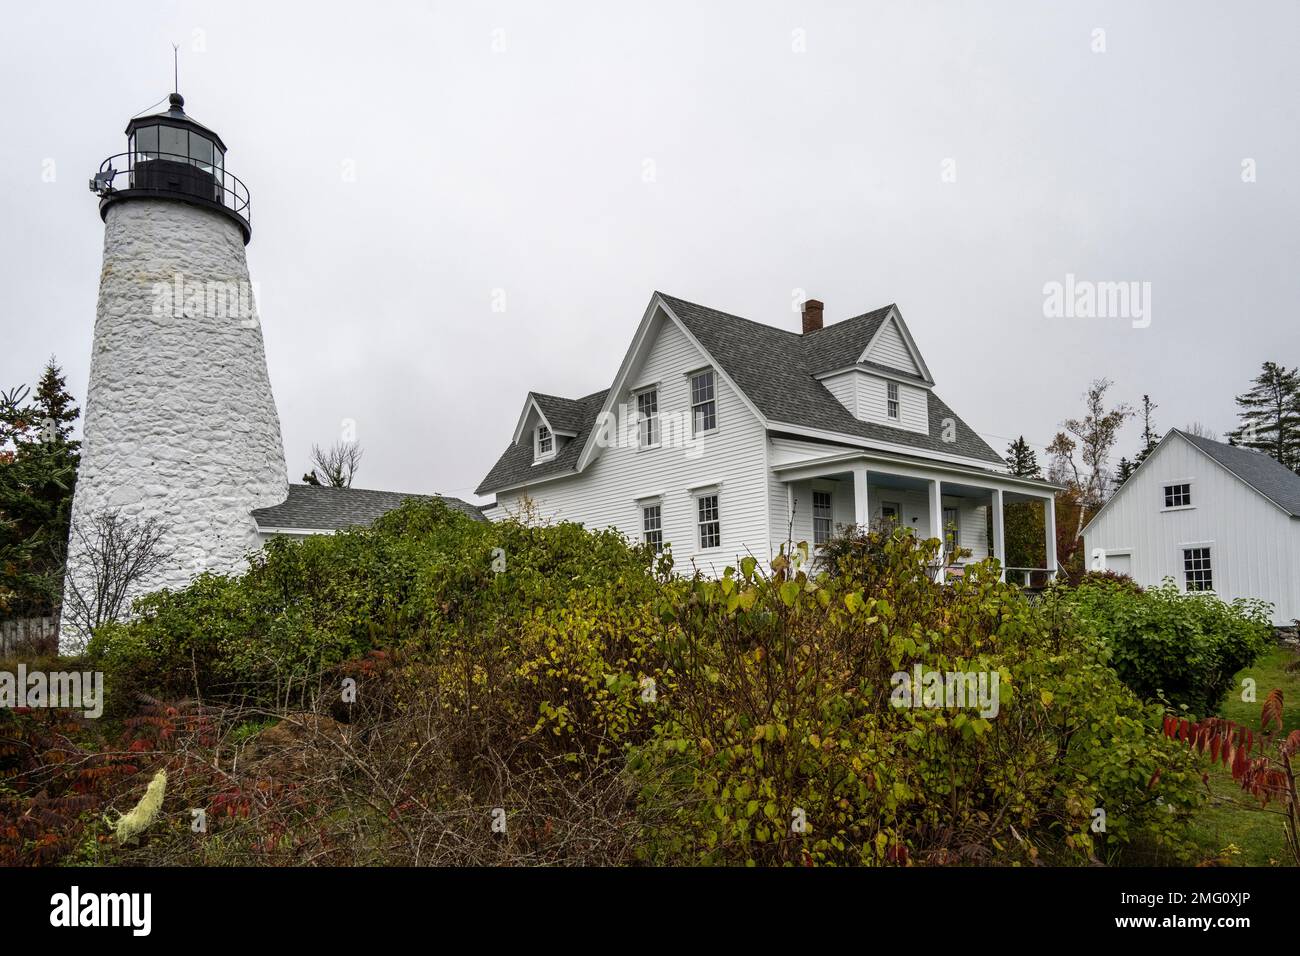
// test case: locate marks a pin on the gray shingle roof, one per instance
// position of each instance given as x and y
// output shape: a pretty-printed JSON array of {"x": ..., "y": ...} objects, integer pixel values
[
  {"x": 1262, "y": 472},
  {"x": 515, "y": 466},
  {"x": 318, "y": 508},
  {"x": 776, "y": 369},
  {"x": 564, "y": 414}
]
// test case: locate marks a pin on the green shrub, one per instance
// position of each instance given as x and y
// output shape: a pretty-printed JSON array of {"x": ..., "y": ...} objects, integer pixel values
[
  {"x": 1167, "y": 645},
  {"x": 304, "y": 607},
  {"x": 782, "y": 715},
  {"x": 1117, "y": 578},
  {"x": 615, "y": 710}
]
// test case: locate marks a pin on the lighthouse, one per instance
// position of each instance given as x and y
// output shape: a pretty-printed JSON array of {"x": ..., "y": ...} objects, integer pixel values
[{"x": 181, "y": 426}]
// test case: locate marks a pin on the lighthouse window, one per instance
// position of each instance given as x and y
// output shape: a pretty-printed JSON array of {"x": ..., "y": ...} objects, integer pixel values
[
  {"x": 173, "y": 141},
  {"x": 146, "y": 139},
  {"x": 200, "y": 150}
]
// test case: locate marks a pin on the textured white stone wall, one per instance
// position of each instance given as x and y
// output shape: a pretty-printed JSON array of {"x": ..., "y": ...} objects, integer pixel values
[{"x": 180, "y": 420}]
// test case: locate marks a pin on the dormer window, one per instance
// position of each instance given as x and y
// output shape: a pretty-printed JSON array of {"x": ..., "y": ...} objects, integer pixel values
[
  {"x": 891, "y": 400},
  {"x": 543, "y": 443}
]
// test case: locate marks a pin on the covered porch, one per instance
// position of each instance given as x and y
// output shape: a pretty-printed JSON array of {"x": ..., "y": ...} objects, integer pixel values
[{"x": 965, "y": 508}]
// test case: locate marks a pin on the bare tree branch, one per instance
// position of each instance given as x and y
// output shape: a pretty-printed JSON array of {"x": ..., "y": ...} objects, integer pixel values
[
  {"x": 113, "y": 555},
  {"x": 337, "y": 464}
]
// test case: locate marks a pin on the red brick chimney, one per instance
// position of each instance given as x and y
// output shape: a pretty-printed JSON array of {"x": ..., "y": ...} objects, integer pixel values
[{"x": 812, "y": 315}]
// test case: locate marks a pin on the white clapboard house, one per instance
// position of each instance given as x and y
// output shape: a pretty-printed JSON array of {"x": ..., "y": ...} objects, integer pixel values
[
  {"x": 722, "y": 437},
  {"x": 1213, "y": 517}
]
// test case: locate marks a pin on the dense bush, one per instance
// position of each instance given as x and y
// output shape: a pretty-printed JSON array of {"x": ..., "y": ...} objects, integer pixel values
[
  {"x": 782, "y": 706},
  {"x": 304, "y": 607},
  {"x": 609, "y": 711},
  {"x": 1116, "y": 578},
  {"x": 1164, "y": 644}
]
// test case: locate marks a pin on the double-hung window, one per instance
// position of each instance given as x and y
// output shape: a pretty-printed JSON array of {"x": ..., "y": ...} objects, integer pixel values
[
  {"x": 891, "y": 400},
  {"x": 1197, "y": 573},
  {"x": 652, "y": 526},
  {"x": 822, "y": 517},
  {"x": 704, "y": 405},
  {"x": 647, "y": 415},
  {"x": 951, "y": 530},
  {"x": 545, "y": 442},
  {"x": 709, "y": 523}
]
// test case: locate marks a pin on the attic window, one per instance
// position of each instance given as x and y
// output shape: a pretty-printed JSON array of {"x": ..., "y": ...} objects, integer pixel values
[
  {"x": 1178, "y": 496},
  {"x": 891, "y": 400},
  {"x": 704, "y": 406},
  {"x": 544, "y": 446},
  {"x": 647, "y": 410}
]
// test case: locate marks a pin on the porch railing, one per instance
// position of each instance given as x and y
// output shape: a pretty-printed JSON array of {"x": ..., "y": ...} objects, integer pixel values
[{"x": 1029, "y": 578}]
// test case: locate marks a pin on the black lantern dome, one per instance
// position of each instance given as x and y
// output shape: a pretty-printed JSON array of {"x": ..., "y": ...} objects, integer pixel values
[{"x": 171, "y": 156}]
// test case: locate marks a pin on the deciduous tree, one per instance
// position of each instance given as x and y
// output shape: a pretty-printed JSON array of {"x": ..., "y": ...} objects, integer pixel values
[{"x": 1080, "y": 455}]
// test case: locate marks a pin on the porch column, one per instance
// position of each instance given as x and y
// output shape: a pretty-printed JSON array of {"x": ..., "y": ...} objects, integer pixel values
[
  {"x": 999, "y": 532},
  {"x": 936, "y": 515},
  {"x": 861, "y": 507},
  {"x": 1049, "y": 526}
]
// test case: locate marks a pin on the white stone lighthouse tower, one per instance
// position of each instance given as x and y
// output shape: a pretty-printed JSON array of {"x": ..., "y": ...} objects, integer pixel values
[{"x": 180, "y": 422}]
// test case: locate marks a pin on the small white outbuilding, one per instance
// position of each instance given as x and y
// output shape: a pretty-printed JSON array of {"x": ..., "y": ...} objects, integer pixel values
[{"x": 1213, "y": 517}]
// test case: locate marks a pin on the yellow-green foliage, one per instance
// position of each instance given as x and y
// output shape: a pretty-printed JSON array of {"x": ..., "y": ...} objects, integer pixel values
[
  {"x": 129, "y": 826},
  {"x": 732, "y": 707},
  {"x": 593, "y": 667},
  {"x": 784, "y": 743}
]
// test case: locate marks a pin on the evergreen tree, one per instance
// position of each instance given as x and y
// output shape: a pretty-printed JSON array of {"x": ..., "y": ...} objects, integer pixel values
[
  {"x": 1021, "y": 459},
  {"x": 1270, "y": 415},
  {"x": 1126, "y": 469},
  {"x": 1023, "y": 520},
  {"x": 38, "y": 469},
  {"x": 1150, "y": 437},
  {"x": 53, "y": 406}
]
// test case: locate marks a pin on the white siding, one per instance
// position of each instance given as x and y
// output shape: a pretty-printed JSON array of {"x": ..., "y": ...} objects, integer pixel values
[
  {"x": 1254, "y": 546},
  {"x": 735, "y": 456},
  {"x": 890, "y": 349},
  {"x": 845, "y": 388},
  {"x": 865, "y": 395}
]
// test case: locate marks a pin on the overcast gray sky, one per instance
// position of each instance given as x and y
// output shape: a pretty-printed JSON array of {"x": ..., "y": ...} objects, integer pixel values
[{"x": 579, "y": 156}]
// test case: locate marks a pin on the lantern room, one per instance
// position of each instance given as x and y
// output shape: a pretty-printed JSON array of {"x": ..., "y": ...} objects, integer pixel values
[{"x": 170, "y": 155}]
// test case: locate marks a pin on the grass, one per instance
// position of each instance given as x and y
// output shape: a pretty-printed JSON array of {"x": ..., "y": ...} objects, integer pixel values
[{"x": 1230, "y": 827}]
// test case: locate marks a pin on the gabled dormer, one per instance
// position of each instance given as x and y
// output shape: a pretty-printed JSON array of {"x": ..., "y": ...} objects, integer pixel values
[
  {"x": 886, "y": 382},
  {"x": 892, "y": 347},
  {"x": 545, "y": 425}
]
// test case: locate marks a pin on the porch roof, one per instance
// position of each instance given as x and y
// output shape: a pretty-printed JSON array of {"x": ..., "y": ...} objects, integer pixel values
[{"x": 915, "y": 467}]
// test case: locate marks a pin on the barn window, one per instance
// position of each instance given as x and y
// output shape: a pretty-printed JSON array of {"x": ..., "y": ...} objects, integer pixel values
[{"x": 1196, "y": 569}]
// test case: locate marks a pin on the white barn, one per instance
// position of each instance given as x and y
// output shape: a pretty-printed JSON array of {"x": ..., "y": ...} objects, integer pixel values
[{"x": 1213, "y": 517}]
